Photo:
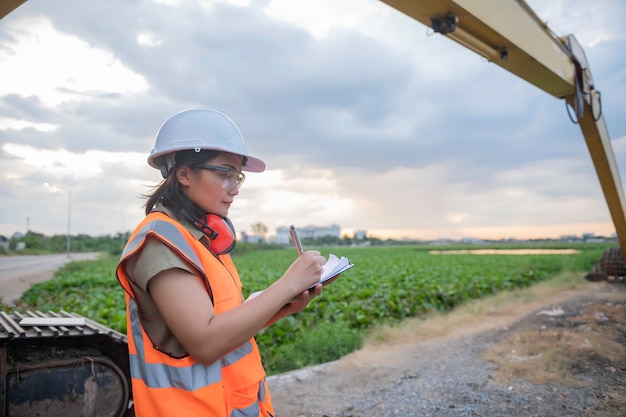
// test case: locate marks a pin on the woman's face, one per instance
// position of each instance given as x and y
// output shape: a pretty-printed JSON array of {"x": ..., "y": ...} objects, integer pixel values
[{"x": 214, "y": 187}]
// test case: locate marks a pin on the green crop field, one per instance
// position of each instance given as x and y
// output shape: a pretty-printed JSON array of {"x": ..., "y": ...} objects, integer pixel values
[{"x": 387, "y": 284}]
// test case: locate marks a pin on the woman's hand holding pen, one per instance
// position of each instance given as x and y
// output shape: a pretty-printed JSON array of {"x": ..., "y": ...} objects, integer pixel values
[
  {"x": 298, "y": 286},
  {"x": 305, "y": 271},
  {"x": 301, "y": 282},
  {"x": 295, "y": 239}
]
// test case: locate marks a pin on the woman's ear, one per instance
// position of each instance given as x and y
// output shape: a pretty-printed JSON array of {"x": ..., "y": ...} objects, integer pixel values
[{"x": 182, "y": 175}]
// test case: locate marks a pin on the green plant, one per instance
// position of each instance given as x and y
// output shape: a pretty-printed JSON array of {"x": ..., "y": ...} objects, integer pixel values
[
  {"x": 387, "y": 285},
  {"x": 320, "y": 344}
]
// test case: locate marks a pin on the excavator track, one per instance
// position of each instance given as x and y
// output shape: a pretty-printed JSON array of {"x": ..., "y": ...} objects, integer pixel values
[
  {"x": 63, "y": 365},
  {"x": 611, "y": 267}
]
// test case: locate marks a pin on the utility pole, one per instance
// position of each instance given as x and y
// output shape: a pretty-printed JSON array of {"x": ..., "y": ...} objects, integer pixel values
[{"x": 69, "y": 214}]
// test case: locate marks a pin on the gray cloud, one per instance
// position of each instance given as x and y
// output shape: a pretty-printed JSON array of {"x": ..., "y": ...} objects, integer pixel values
[{"x": 348, "y": 102}]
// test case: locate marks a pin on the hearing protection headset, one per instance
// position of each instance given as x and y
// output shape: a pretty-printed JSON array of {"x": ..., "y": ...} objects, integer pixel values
[{"x": 219, "y": 231}]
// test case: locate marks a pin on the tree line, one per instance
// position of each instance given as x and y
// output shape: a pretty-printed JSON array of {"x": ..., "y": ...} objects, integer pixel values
[{"x": 38, "y": 243}]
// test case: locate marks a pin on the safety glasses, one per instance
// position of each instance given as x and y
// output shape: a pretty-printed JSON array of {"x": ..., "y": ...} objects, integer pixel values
[{"x": 231, "y": 179}]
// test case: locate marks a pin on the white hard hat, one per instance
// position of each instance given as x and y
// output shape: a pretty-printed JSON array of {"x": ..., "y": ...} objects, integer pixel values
[{"x": 199, "y": 129}]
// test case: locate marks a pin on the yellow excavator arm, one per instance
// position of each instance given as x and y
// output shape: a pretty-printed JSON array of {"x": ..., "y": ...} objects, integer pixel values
[
  {"x": 509, "y": 34},
  {"x": 7, "y": 6}
]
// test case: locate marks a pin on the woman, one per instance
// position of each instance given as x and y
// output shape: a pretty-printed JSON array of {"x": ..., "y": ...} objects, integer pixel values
[{"x": 190, "y": 333}]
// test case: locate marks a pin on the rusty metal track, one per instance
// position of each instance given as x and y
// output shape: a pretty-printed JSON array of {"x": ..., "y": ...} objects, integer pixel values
[{"x": 10, "y": 328}]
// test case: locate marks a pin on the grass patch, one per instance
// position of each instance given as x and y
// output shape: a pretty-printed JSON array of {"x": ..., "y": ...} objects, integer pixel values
[
  {"x": 580, "y": 346},
  {"x": 490, "y": 311},
  {"x": 327, "y": 340}
]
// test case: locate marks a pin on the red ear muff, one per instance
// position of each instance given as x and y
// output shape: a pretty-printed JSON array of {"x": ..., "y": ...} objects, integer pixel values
[{"x": 221, "y": 233}]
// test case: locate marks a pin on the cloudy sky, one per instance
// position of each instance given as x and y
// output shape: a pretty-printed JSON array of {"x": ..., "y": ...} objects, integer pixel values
[{"x": 364, "y": 117}]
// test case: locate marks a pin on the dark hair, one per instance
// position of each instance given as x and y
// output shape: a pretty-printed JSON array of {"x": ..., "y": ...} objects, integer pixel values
[{"x": 170, "y": 192}]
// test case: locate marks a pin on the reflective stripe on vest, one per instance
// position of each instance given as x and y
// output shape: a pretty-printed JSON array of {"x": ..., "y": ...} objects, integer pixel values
[
  {"x": 252, "y": 411},
  {"x": 158, "y": 375},
  {"x": 170, "y": 232}
]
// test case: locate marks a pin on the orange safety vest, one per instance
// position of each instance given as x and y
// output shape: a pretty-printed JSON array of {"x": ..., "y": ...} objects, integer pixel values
[{"x": 233, "y": 386}]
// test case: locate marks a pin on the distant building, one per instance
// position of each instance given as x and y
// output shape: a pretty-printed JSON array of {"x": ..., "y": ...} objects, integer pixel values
[
  {"x": 251, "y": 238},
  {"x": 308, "y": 232},
  {"x": 472, "y": 240},
  {"x": 598, "y": 239},
  {"x": 360, "y": 234}
]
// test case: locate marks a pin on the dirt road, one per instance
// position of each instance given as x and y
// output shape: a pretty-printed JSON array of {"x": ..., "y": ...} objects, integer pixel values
[
  {"x": 544, "y": 355},
  {"x": 18, "y": 273}
]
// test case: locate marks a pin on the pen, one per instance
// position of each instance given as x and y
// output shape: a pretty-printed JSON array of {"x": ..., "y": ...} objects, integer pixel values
[{"x": 295, "y": 239}]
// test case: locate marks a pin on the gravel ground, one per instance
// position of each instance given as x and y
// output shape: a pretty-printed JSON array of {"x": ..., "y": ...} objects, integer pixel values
[{"x": 449, "y": 376}]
